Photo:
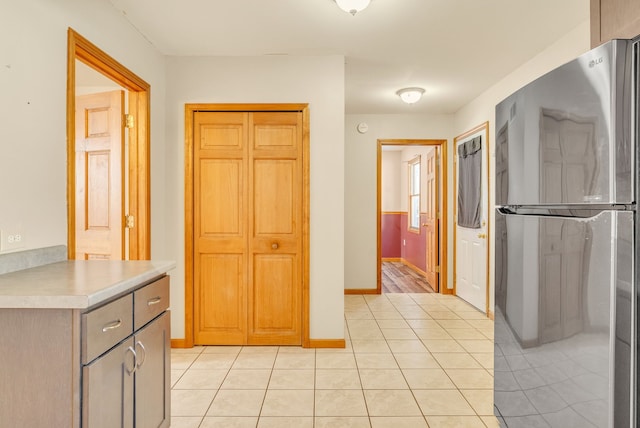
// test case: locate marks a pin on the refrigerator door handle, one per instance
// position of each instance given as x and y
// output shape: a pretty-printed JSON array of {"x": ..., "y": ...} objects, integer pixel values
[{"x": 565, "y": 211}]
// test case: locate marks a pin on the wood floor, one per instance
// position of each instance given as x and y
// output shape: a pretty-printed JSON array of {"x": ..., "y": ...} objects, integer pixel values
[{"x": 399, "y": 278}]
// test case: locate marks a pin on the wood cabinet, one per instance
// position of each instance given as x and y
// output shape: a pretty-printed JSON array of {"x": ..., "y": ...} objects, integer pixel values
[
  {"x": 135, "y": 371},
  {"x": 126, "y": 360},
  {"x": 153, "y": 375},
  {"x": 107, "y": 385},
  {"x": 104, "y": 366},
  {"x": 614, "y": 19}
]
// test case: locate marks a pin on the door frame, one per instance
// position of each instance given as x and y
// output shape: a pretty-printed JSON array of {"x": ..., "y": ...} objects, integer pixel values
[
  {"x": 442, "y": 208},
  {"x": 477, "y": 129},
  {"x": 190, "y": 110},
  {"x": 81, "y": 49}
]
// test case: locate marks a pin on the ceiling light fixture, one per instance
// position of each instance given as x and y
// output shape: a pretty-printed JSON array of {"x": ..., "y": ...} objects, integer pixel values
[
  {"x": 410, "y": 95},
  {"x": 352, "y": 6}
]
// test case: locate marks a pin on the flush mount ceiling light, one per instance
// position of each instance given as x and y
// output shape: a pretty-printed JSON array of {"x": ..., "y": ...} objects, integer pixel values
[
  {"x": 352, "y": 6},
  {"x": 410, "y": 95}
]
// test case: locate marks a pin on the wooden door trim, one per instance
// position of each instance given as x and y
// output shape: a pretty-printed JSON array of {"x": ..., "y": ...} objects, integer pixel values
[
  {"x": 79, "y": 48},
  {"x": 190, "y": 110},
  {"x": 442, "y": 238},
  {"x": 462, "y": 136}
]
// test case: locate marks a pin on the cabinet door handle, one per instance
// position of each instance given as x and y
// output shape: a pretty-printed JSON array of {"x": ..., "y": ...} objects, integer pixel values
[
  {"x": 143, "y": 354},
  {"x": 154, "y": 301},
  {"x": 133, "y": 365},
  {"x": 112, "y": 325}
]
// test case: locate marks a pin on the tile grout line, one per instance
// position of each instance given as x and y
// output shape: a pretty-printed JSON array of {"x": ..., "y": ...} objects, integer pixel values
[
  {"x": 396, "y": 304},
  {"x": 219, "y": 387},
  {"x": 424, "y": 417},
  {"x": 443, "y": 368}
]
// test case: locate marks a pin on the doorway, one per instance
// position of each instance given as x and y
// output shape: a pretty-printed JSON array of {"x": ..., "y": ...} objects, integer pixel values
[
  {"x": 471, "y": 235},
  {"x": 137, "y": 190},
  {"x": 247, "y": 224},
  {"x": 412, "y": 223}
]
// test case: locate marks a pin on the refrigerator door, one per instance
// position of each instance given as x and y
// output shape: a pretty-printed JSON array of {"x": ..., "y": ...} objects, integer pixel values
[
  {"x": 563, "y": 320},
  {"x": 565, "y": 138}
]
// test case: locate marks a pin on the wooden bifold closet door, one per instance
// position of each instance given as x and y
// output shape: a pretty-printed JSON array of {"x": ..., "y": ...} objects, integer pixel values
[{"x": 248, "y": 189}]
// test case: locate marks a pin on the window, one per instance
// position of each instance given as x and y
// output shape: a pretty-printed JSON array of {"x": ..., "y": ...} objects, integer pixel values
[{"x": 414, "y": 194}]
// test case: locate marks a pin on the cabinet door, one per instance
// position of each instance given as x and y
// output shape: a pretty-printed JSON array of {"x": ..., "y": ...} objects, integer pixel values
[
  {"x": 152, "y": 381},
  {"x": 614, "y": 19},
  {"x": 107, "y": 389}
]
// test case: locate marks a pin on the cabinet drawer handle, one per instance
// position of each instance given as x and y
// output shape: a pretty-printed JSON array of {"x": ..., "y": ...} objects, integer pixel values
[
  {"x": 133, "y": 365},
  {"x": 112, "y": 325},
  {"x": 154, "y": 301},
  {"x": 143, "y": 354}
]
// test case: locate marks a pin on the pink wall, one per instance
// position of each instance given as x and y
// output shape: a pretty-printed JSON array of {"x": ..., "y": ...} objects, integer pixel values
[
  {"x": 391, "y": 236},
  {"x": 394, "y": 231},
  {"x": 415, "y": 250}
]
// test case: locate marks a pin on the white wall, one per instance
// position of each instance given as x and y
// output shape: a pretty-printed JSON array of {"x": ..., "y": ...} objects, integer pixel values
[
  {"x": 482, "y": 109},
  {"x": 360, "y": 151},
  {"x": 318, "y": 81},
  {"x": 390, "y": 181},
  {"x": 33, "y": 73},
  {"x": 395, "y": 181}
]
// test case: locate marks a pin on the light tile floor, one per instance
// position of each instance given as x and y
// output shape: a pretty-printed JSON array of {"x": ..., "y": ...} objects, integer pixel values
[{"x": 411, "y": 360}]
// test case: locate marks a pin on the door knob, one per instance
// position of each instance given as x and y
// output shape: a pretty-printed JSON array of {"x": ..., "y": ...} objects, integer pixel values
[
  {"x": 274, "y": 246},
  {"x": 482, "y": 235}
]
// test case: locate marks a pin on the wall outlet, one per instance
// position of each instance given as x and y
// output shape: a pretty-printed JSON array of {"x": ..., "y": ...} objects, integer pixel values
[
  {"x": 404, "y": 242},
  {"x": 11, "y": 239}
]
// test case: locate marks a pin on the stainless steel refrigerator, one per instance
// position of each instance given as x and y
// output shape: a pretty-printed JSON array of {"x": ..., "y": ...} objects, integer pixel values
[{"x": 565, "y": 245}]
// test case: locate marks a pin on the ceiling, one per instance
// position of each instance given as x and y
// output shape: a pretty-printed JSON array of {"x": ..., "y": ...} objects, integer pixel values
[{"x": 455, "y": 49}]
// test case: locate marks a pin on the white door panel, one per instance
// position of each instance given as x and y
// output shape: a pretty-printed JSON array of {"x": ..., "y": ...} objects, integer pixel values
[
  {"x": 471, "y": 267},
  {"x": 463, "y": 267}
]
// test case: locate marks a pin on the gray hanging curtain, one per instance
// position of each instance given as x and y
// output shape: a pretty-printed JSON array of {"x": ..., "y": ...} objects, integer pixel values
[{"x": 469, "y": 183}]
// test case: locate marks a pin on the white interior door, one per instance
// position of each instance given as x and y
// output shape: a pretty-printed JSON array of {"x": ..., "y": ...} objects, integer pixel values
[{"x": 471, "y": 243}]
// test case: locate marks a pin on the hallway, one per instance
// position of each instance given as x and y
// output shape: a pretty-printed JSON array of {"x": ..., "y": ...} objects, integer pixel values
[{"x": 412, "y": 360}]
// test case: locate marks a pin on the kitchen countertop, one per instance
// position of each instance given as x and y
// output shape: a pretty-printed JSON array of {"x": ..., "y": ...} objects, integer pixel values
[{"x": 75, "y": 284}]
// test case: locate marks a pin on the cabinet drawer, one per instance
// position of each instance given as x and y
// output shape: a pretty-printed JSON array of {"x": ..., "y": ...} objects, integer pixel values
[
  {"x": 150, "y": 301},
  {"x": 104, "y": 327}
]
